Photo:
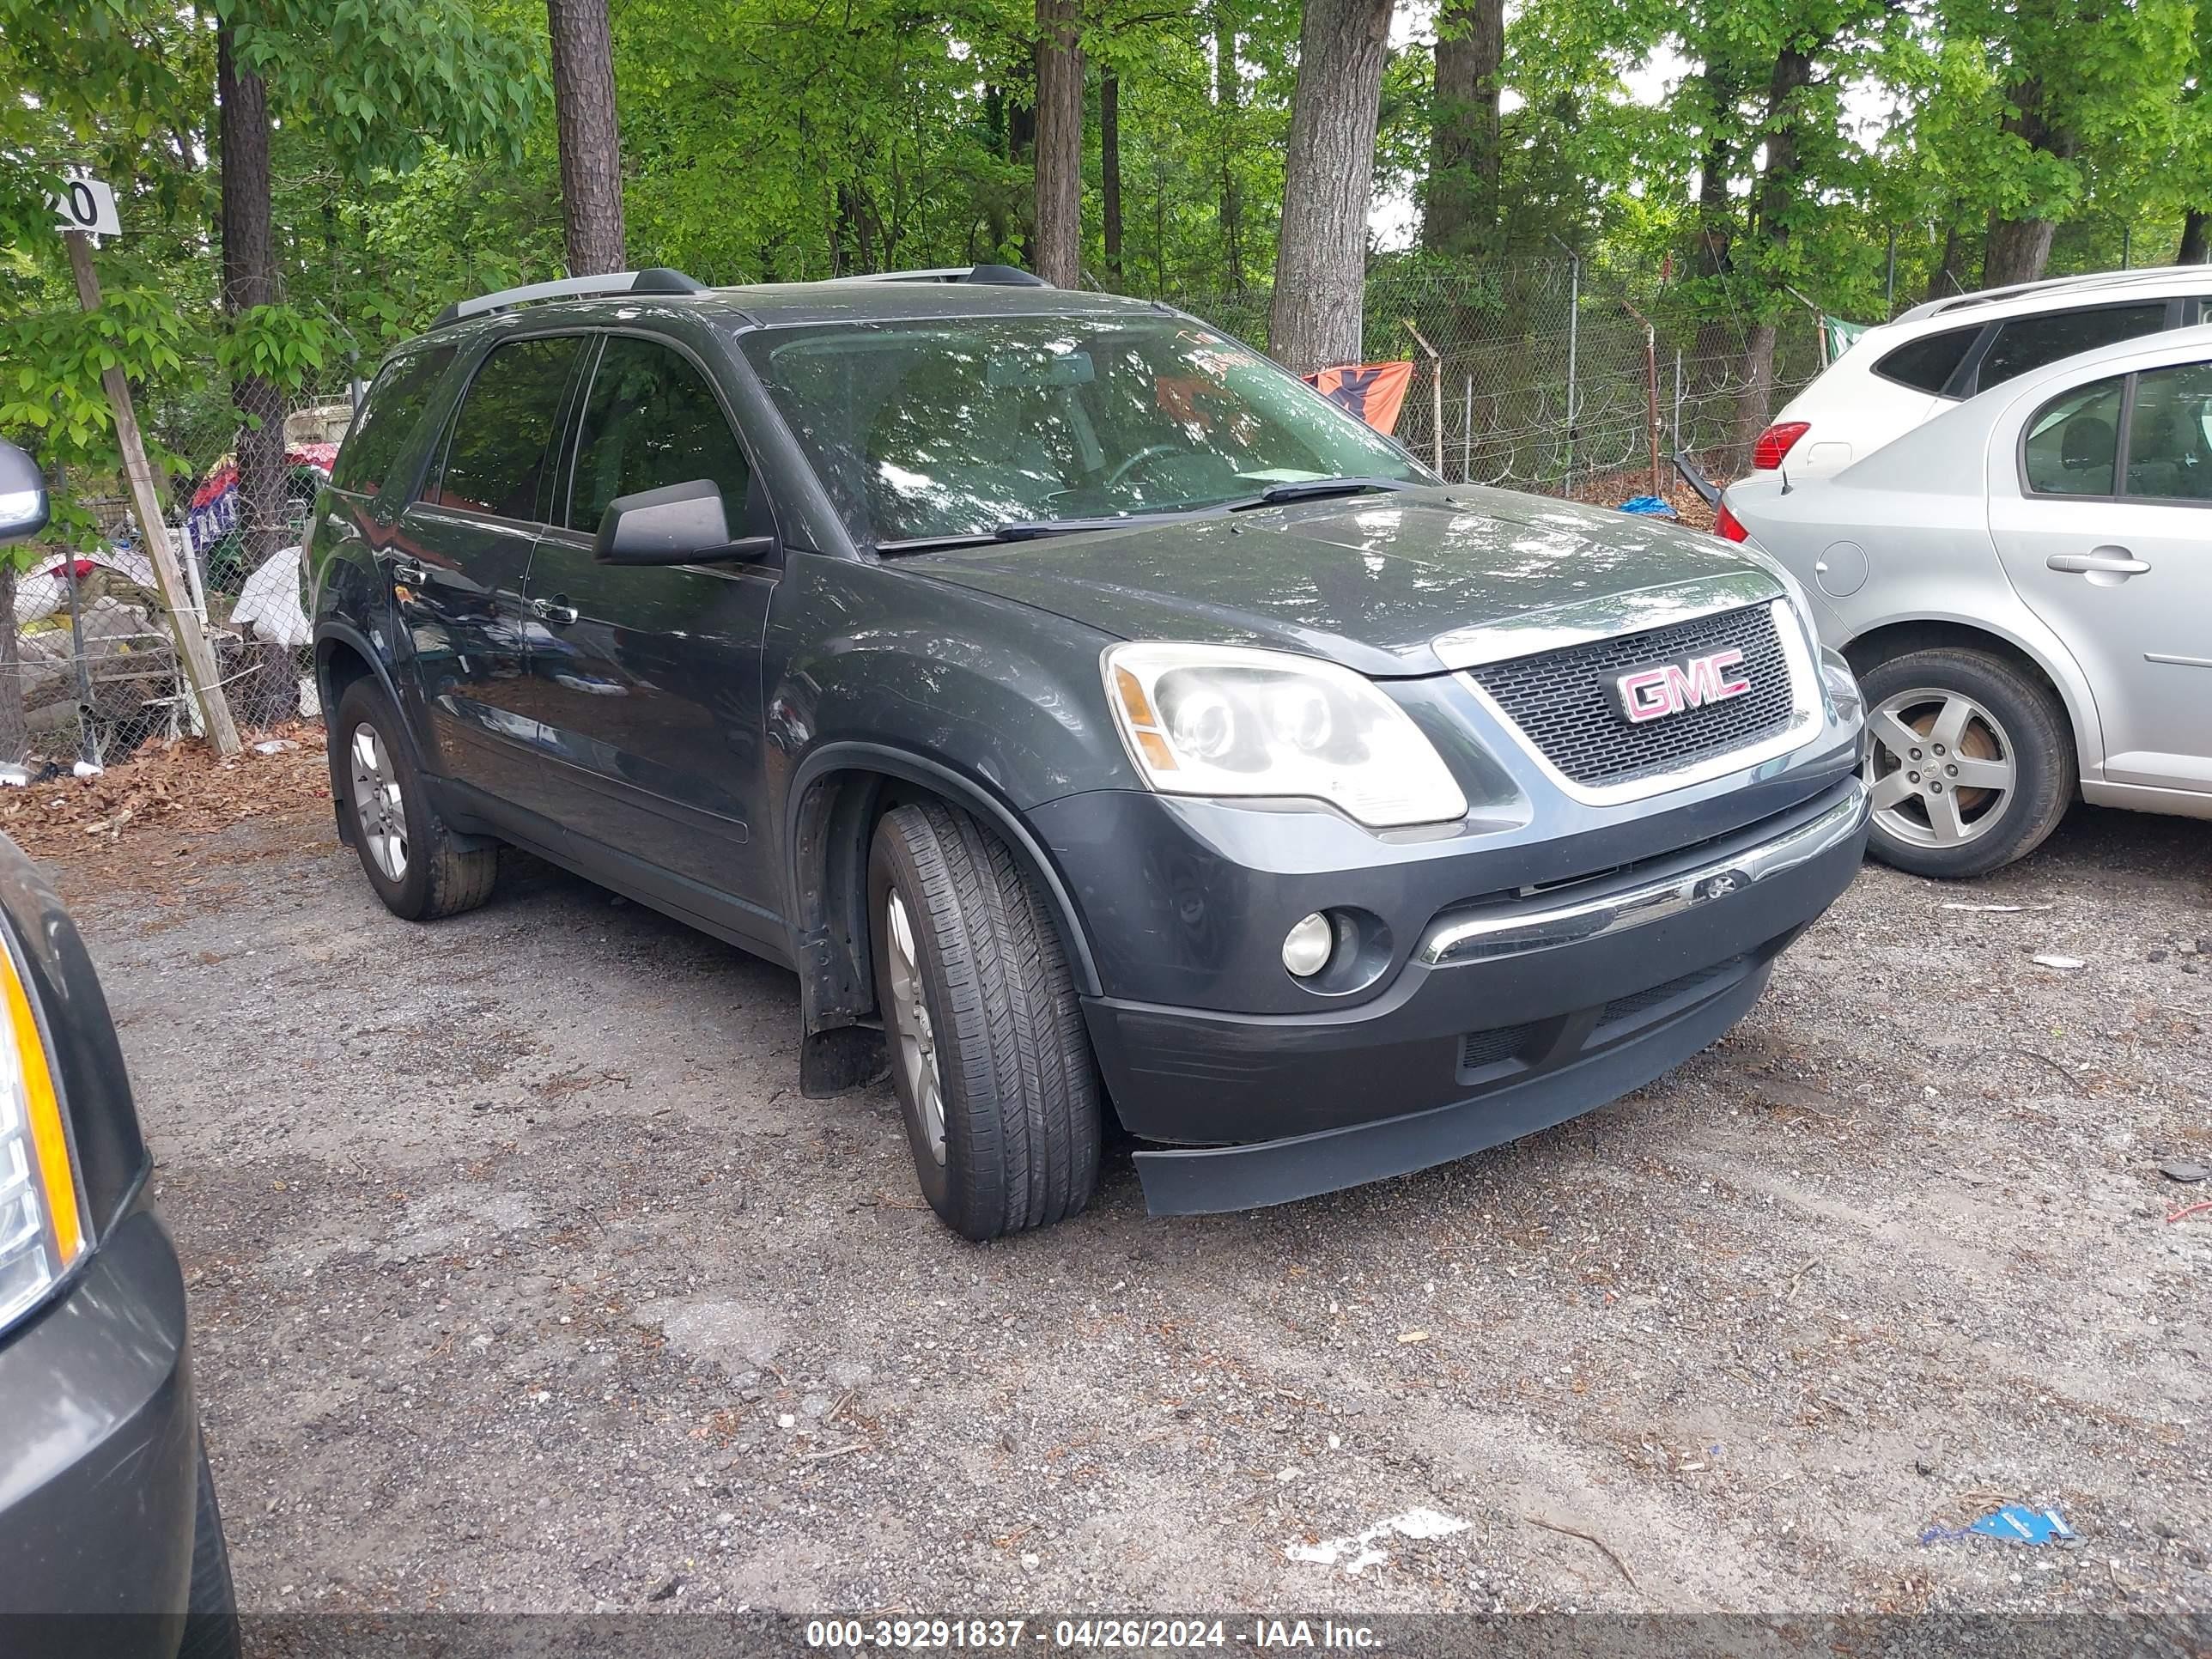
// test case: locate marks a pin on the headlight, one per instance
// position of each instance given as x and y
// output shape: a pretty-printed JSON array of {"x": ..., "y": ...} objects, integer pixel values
[
  {"x": 1842, "y": 685},
  {"x": 1218, "y": 719},
  {"x": 41, "y": 1234}
]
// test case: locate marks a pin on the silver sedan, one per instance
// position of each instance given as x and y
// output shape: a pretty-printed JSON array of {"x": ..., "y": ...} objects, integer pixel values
[{"x": 2024, "y": 587}]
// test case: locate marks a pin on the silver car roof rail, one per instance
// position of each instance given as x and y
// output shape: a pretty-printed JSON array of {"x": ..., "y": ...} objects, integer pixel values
[
  {"x": 654, "y": 279},
  {"x": 995, "y": 276},
  {"x": 2141, "y": 276}
]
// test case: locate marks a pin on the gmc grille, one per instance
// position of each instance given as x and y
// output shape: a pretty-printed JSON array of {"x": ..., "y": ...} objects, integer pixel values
[{"x": 1561, "y": 700}]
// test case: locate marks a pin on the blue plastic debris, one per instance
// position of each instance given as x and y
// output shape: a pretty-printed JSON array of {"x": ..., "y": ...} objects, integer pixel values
[
  {"x": 2015, "y": 1523},
  {"x": 1649, "y": 505}
]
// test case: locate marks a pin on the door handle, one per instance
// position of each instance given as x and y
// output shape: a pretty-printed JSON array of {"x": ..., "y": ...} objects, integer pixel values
[
  {"x": 553, "y": 611},
  {"x": 408, "y": 573},
  {"x": 2098, "y": 561}
]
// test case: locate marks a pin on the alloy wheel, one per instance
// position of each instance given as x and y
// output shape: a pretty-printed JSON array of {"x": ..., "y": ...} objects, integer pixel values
[
  {"x": 378, "y": 806},
  {"x": 1940, "y": 766},
  {"x": 916, "y": 1042}
]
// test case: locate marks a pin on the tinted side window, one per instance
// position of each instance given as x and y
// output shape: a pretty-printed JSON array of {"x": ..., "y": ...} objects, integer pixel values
[
  {"x": 2026, "y": 342},
  {"x": 2170, "y": 435},
  {"x": 501, "y": 440},
  {"x": 651, "y": 419},
  {"x": 2073, "y": 440},
  {"x": 388, "y": 416},
  {"x": 1927, "y": 365}
]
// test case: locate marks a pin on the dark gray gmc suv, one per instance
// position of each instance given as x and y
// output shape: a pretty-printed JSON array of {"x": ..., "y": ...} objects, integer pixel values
[{"x": 1084, "y": 705}]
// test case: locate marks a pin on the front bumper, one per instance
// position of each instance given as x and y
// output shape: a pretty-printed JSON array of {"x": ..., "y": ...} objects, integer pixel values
[
  {"x": 98, "y": 1457},
  {"x": 1510, "y": 1017}
]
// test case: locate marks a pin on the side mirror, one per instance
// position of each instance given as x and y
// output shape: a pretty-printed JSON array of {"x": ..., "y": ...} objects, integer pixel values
[
  {"x": 23, "y": 506},
  {"x": 677, "y": 524}
]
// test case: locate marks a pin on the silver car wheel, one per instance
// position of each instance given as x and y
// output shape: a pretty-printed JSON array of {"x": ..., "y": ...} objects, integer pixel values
[
  {"x": 1939, "y": 767},
  {"x": 910, "y": 1028},
  {"x": 378, "y": 808}
]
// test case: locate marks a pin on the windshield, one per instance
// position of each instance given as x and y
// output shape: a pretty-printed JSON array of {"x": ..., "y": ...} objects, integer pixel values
[{"x": 955, "y": 427}]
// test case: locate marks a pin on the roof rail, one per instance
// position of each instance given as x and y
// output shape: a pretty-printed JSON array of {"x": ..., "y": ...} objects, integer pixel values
[
  {"x": 996, "y": 276},
  {"x": 2140, "y": 276},
  {"x": 654, "y": 279}
]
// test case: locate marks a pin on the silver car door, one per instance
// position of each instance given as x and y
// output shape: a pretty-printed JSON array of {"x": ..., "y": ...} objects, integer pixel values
[{"x": 2100, "y": 506}]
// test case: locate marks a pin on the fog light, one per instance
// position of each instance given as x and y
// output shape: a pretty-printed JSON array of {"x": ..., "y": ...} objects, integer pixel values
[{"x": 1306, "y": 948}]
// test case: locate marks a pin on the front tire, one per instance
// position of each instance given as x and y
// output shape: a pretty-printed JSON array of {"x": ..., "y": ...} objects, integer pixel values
[
  {"x": 1970, "y": 761},
  {"x": 420, "y": 868},
  {"x": 989, "y": 1057}
]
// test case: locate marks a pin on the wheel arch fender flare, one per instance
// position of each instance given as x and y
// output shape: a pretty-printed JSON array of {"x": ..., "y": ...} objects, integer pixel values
[{"x": 823, "y": 825}]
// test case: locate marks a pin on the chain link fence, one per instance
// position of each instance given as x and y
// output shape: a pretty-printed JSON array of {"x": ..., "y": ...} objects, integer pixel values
[
  {"x": 1566, "y": 376},
  {"x": 88, "y": 667}
]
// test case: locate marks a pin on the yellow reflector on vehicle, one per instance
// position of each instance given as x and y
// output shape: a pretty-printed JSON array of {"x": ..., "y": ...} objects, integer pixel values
[{"x": 43, "y": 1109}]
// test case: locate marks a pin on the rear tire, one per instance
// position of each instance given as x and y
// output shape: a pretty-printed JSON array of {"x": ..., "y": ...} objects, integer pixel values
[
  {"x": 2004, "y": 729},
  {"x": 420, "y": 868},
  {"x": 990, "y": 1060},
  {"x": 211, "y": 1612}
]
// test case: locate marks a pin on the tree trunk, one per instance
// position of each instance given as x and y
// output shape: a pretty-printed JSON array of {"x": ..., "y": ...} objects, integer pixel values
[
  {"x": 1328, "y": 179},
  {"x": 589, "y": 138},
  {"x": 1056, "y": 252},
  {"x": 2195, "y": 237},
  {"x": 1462, "y": 203},
  {"x": 1109, "y": 171},
  {"x": 1758, "y": 396},
  {"x": 249, "y": 279},
  {"x": 1944, "y": 281},
  {"x": 1779, "y": 191},
  {"x": 15, "y": 725},
  {"x": 1713, "y": 243},
  {"x": 1021, "y": 150},
  {"x": 2018, "y": 249},
  {"x": 1226, "y": 93}
]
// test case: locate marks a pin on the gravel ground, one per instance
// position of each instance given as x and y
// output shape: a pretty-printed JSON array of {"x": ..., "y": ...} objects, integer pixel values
[{"x": 526, "y": 1279}]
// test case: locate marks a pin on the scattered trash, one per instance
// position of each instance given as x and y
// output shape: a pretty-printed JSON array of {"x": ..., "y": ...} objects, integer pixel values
[
  {"x": 1413, "y": 1336},
  {"x": 14, "y": 775},
  {"x": 2186, "y": 1211},
  {"x": 1997, "y": 909},
  {"x": 2068, "y": 963},
  {"x": 1416, "y": 1524},
  {"x": 86, "y": 770},
  {"x": 1648, "y": 507},
  {"x": 266, "y": 746},
  {"x": 2183, "y": 1169},
  {"x": 2015, "y": 1523}
]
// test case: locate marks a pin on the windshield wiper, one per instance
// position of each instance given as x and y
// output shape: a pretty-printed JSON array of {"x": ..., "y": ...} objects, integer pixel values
[
  {"x": 1314, "y": 489},
  {"x": 1013, "y": 529}
]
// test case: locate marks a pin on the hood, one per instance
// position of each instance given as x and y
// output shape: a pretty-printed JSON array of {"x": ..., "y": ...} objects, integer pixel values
[{"x": 1366, "y": 580}]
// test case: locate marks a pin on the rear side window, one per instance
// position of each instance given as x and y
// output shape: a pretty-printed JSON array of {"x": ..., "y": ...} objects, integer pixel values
[
  {"x": 1927, "y": 365},
  {"x": 2026, "y": 342},
  {"x": 2073, "y": 443},
  {"x": 389, "y": 415},
  {"x": 651, "y": 419},
  {"x": 2170, "y": 435},
  {"x": 500, "y": 447}
]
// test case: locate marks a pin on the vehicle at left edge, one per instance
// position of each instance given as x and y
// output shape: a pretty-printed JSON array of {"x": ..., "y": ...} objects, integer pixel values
[{"x": 111, "y": 1542}]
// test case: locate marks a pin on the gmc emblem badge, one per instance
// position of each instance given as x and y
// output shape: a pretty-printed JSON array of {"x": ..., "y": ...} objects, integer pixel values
[{"x": 1669, "y": 688}]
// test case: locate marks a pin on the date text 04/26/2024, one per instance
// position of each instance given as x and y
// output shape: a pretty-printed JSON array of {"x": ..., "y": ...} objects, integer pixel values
[{"x": 1102, "y": 1634}]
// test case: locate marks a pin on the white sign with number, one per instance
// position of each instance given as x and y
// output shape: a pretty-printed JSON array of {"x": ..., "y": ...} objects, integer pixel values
[{"x": 85, "y": 203}]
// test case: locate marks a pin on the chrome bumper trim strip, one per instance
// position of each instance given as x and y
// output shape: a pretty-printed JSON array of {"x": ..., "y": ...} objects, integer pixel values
[{"x": 1510, "y": 932}]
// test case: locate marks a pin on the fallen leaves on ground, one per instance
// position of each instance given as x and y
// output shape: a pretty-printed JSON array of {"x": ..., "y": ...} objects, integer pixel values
[{"x": 180, "y": 785}]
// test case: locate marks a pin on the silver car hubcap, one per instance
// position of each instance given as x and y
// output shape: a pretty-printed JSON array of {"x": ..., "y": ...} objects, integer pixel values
[
  {"x": 1939, "y": 767},
  {"x": 917, "y": 1043},
  {"x": 378, "y": 806}
]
